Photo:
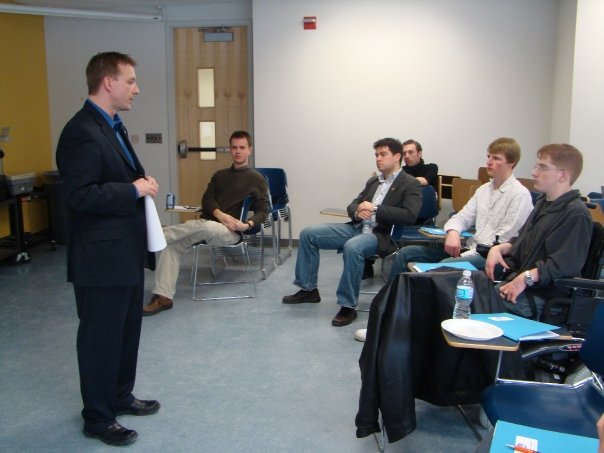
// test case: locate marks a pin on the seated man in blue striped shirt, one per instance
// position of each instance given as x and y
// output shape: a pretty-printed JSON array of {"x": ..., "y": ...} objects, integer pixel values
[{"x": 498, "y": 209}]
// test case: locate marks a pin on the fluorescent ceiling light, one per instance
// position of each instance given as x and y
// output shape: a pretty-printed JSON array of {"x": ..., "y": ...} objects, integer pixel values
[{"x": 78, "y": 13}]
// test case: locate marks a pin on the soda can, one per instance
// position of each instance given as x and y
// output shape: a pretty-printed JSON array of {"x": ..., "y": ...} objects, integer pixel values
[{"x": 170, "y": 201}]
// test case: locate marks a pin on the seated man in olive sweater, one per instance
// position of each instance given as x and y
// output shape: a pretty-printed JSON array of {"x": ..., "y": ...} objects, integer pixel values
[{"x": 219, "y": 223}]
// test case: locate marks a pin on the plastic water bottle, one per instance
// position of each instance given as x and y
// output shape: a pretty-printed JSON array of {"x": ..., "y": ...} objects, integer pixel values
[{"x": 463, "y": 296}]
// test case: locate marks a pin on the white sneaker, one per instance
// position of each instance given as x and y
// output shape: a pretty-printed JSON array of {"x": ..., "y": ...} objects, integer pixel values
[{"x": 360, "y": 335}]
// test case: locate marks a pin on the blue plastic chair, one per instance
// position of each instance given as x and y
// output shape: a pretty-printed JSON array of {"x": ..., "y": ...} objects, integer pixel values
[
  {"x": 572, "y": 408},
  {"x": 427, "y": 216},
  {"x": 281, "y": 212}
]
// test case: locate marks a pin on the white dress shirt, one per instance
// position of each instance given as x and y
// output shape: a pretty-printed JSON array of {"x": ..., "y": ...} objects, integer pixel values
[{"x": 493, "y": 212}]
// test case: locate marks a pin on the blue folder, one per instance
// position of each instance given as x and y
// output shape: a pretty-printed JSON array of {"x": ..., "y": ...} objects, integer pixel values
[
  {"x": 514, "y": 327},
  {"x": 423, "y": 267},
  {"x": 549, "y": 441},
  {"x": 443, "y": 233}
]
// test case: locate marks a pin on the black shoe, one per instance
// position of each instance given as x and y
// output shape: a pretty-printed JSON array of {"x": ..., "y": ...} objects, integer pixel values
[
  {"x": 368, "y": 270},
  {"x": 115, "y": 434},
  {"x": 302, "y": 297},
  {"x": 344, "y": 317},
  {"x": 139, "y": 407}
]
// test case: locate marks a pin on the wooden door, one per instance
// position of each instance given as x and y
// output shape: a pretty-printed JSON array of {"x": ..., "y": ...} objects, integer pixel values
[{"x": 230, "y": 112}]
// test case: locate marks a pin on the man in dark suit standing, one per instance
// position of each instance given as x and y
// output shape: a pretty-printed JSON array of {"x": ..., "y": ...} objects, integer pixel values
[
  {"x": 392, "y": 198},
  {"x": 103, "y": 189}
]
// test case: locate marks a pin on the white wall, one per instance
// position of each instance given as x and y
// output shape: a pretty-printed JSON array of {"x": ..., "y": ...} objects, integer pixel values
[
  {"x": 587, "y": 114},
  {"x": 453, "y": 75},
  {"x": 563, "y": 74}
]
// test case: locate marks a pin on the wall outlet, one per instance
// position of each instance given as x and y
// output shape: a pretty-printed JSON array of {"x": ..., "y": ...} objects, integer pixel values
[{"x": 153, "y": 138}]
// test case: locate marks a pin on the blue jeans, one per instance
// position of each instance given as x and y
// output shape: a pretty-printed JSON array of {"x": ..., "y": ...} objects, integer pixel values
[
  {"x": 428, "y": 254},
  {"x": 355, "y": 246}
]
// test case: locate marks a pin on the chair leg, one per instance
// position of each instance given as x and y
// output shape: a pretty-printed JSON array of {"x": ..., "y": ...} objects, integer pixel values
[
  {"x": 284, "y": 215},
  {"x": 266, "y": 270},
  {"x": 249, "y": 276},
  {"x": 194, "y": 270},
  {"x": 469, "y": 422},
  {"x": 380, "y": 437}
]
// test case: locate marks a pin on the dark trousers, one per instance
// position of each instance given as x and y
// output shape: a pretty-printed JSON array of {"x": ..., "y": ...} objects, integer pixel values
[{"x": 107, "y": 346}]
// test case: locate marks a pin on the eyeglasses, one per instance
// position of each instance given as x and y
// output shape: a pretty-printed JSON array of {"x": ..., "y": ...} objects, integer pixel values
[{"x": 544, "y": 168}]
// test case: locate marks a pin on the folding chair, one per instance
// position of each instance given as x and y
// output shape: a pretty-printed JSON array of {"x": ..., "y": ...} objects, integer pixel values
[
  {"x": 225, "y": 254},
  {"x": 277, "y": 183}
]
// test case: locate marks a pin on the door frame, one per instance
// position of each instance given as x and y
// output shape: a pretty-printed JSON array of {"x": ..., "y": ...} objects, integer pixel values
[{"x": 171, "y": 101}]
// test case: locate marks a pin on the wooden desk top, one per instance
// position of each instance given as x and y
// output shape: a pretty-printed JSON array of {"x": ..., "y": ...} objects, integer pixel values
[
  {"x": 496, "y": 344},
  {"x": 187, "y": 209},
  {"x": 335, "y": 212}
]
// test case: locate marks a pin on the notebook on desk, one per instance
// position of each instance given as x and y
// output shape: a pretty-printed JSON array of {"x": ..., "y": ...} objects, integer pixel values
[
  {"x": 464, "y": 265},
  {"x": 548, "y": 441},
  {"x": 443, "y": 233},
  {"x": 517, "y": 328}
]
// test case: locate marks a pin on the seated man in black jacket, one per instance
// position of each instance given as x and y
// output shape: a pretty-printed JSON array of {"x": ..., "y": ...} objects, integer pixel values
[
  {"x": 553, "y": 242},
  {"x": 426, "y": 175},
  {"x": 391, "y": 198}
]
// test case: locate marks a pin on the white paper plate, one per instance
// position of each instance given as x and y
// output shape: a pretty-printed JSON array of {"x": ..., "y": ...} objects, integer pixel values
[{"x": 470, "y": 329}]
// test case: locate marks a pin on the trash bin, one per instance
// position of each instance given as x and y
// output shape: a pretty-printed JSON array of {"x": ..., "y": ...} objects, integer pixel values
[{"x": 56, "y": 209}]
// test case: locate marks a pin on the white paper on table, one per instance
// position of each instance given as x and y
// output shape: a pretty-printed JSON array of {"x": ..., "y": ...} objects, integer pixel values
[{"x": 156, "y": 240}]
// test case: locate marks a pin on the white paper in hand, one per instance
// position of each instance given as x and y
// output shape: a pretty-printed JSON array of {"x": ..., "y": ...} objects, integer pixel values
[{"x": 156, "y": 240}]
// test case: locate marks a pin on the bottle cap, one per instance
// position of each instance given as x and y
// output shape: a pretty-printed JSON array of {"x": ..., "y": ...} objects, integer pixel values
[{"x": 467, "y": 273}]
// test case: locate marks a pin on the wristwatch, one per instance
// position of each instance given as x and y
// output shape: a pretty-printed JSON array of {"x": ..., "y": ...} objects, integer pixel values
[
  {"x": 375, "y": 208},
  {"x": 528, "y": 279}
]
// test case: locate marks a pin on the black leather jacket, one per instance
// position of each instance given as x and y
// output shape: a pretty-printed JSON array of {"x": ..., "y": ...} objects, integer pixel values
[{"x": 405, "y": 355}]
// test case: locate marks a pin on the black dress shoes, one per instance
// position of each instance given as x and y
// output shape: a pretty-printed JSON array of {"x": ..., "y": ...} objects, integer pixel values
[
  {"x": 139, "y": 407},
  {"x": 303, "y": 297},
  {"x": 344, "y": 317},
  {"x": 115, "y": 434}
]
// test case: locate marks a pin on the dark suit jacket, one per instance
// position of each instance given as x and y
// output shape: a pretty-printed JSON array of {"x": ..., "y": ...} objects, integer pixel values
[
  {"x": 400, "y": 207},
  {"x": 107, "y": 244}
]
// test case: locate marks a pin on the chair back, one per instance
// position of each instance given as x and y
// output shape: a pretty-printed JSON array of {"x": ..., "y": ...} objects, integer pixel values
[
  {"x": 461, "y": 191},
  {"x": 592, "y": 351},
  {"x": 596, "y": 209},
  {"x": 529, "y": 183},
  {"x": 483, "y": 175},
  {"x": 593, "y": 263},
  {"x": 245, "y": 208},
  {"x": 429, "y": 209},
  {"x": 534, "y": 196},
  {"x": 277, "y": 185}
]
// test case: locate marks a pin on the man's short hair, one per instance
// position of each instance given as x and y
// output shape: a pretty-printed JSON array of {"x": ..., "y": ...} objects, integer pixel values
[
  {"x": 508, "y": 147},
  {"x": 241, "y": 134},
  {"x": 105, "y": 64},
  {"x": 564, "y": 157},
  {"x": 393, "y": 144},
  {"x": 418, "y": 147}
]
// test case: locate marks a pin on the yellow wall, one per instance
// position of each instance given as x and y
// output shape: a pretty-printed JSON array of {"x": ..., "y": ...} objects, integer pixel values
[{"x": 24, "y": 107}]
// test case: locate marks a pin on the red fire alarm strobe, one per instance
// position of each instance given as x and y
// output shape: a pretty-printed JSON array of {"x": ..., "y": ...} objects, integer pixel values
[{"x": 310, "y": 22}]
